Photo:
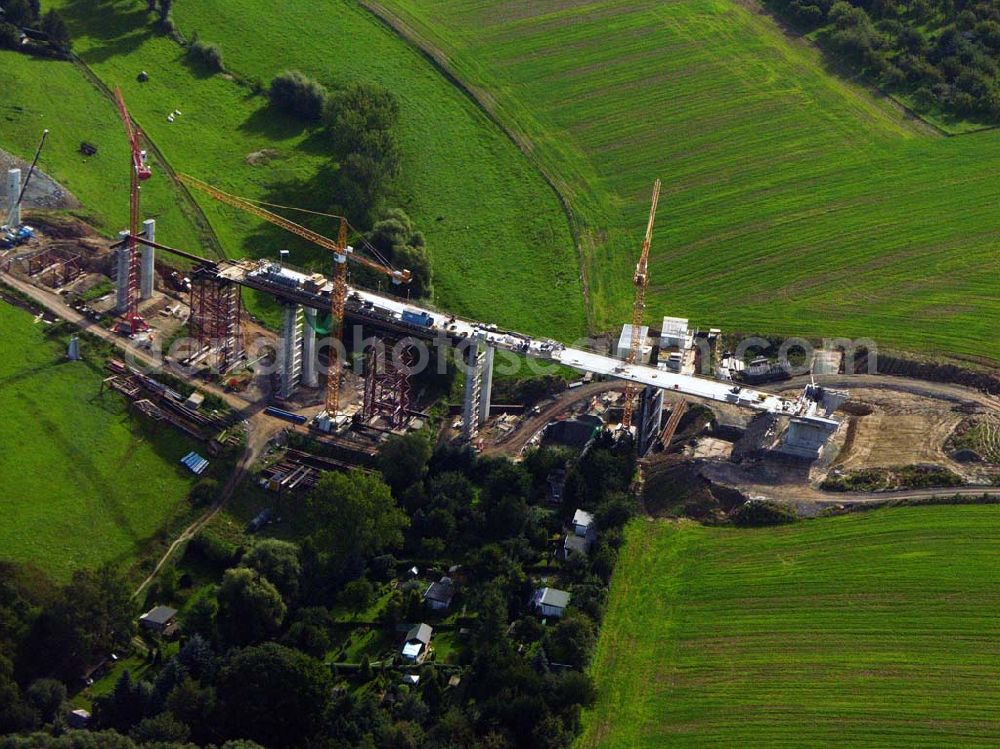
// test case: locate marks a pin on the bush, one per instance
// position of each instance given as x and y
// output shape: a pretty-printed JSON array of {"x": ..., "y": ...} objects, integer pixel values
[
  {"x": 56, "y": 30},
  {"x": 209, "y": 55},
  {"x": 758, "y": 513},
  {"x": 213, "y": 548},
  {"x": 10, "y": 37},
  {"x": 293, "y": 92},
  {"x": 204, "y": 492}
]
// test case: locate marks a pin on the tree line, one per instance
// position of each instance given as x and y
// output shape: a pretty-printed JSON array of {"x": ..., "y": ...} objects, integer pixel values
[
  {"x": 942, "y": 54},
  {"x": 361, "y": 121}
]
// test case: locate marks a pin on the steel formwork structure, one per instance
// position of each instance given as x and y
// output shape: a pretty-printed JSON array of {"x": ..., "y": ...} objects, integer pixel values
[
  {"x": 216, "y": 310},
  {"x": 387, "y": 382},
  {"x": 58, "y": 266}
]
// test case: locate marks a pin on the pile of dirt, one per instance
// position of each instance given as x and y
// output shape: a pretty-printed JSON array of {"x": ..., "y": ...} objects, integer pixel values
[
  {"x": 262, "y": 157},
  {"x": 673, "y": 487},
  {"x": 42, "y": 192},
  {"x": 931, "y": 371},
  {"x": 855, "y": 408},
  {"x": 60, "y": 225}
]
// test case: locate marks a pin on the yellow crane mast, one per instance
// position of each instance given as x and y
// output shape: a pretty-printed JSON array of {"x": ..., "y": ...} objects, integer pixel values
[
  {"x": 641, "y": 281},
  {"x": 341, "y": 253}
]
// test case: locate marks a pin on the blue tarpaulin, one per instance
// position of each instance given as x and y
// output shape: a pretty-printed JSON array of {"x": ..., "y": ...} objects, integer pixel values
[{"x": 195, "y": 462}]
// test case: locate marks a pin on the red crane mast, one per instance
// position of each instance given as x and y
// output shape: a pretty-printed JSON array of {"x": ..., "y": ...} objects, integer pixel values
[{"x": 140, "y": 172}]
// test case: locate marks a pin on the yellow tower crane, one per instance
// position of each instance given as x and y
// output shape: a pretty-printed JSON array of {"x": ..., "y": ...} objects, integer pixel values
[
  {"x": 641, "y": 281},
  {"x": 341, "y": 253}
]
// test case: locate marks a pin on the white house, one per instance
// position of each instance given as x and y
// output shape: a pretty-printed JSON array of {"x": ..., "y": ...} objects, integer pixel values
[
  {"x": 550, "y": 601},
  {"x": 418, "y": 642},
  {"x": 583, "y": 522}
]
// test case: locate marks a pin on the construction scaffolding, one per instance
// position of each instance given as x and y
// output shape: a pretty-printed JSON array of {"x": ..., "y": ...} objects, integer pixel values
[
  {"x": 387, "y": 383},
  {"x": 216, "y": 311},
  {"x": 54, "y": 267}
]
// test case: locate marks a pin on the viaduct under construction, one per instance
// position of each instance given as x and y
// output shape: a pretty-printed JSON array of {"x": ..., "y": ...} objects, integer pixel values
[{"x": 216, "y": 313}]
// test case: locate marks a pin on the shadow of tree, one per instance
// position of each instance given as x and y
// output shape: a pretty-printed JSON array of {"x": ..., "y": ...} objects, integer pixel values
[
  {"x": 124, "y": 26},
  {"x": 196, "y": 67},
  {"x": 274, "y": 124},
  {"x": 313, "y": 194}
]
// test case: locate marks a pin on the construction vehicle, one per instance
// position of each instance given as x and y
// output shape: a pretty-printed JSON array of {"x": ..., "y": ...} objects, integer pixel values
[
  {"x": 641, "y": 281},
  {"x": 131, "y": 322},
  {"x": 338, "y": 296},
  {"x": 13, "y": 233},
  {"x": 420, "y": 319}
]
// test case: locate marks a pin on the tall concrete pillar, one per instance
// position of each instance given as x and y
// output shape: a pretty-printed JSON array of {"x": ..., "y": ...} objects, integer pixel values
[
  {"x": 290, "y": 350},
  {"x": 13, "y": 190},
  {"x": 148, "y": 268},
  {"x": 121, "y": 275},
  {"x": 486, "y": 384},
  {"x": 648, "y": 419},
  {"x": 472, "y": 393},
  {"x": 310, "y": 363}
]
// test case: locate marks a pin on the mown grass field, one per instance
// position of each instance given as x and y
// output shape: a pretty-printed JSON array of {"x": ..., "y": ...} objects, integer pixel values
[
  {"x": 876, "y": 629},
  {"x": 500, "y": 244},
  {"x": 794, "y": 202},
  {"x": 74, "y": 110},
  {"x": 83, "y": 483}
]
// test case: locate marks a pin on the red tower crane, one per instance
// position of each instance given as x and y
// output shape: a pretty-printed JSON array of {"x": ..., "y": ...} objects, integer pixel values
[
  {"x": 641, "y": 281},
  {"x": 131, "y": 322}
]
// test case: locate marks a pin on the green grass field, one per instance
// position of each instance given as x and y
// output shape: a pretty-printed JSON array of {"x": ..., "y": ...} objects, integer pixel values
[
  {"x": 794, "y": 202},
  {"x": 500, "y": 243},
  {"x": 74, "y": 110},
  {"x": 870, "y": 630},
  {"x": 82, "y": 482}
]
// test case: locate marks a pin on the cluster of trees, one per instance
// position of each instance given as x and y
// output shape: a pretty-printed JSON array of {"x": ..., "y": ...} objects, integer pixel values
[
  {"x": 361, "y": 121},
  {"x": 944, "y": 53},
  {"x": 27, "y": 14},
  {"x": 269, "y": 693},
  {"x": 54, "y": 633},
  {"x": 393, "y": 235}
]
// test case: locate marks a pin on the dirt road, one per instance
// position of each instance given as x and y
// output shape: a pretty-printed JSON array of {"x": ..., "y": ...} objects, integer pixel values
[
  {"x": 259, "y": 433},
  {"x": 937, "y": 390}
]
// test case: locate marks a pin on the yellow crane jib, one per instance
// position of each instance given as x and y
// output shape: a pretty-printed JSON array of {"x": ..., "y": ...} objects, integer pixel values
[
  {"x": 641, "y": 281},
  {"x": 342, "y": 252}
]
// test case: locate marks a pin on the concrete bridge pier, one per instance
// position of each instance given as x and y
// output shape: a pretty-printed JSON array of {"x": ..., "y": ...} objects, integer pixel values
[
  {"x": 121, "y": 275},
  {"x": 310, "y": 363},
  {"x": 148, "y": 267},
  {"x": 290, "y": 351},
  {"x": 478, "y": 384},
  {"x": 13, "y": 190}
]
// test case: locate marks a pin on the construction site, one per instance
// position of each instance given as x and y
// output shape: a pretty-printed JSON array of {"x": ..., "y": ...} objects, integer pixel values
[{"x": 676, "y": 390}]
